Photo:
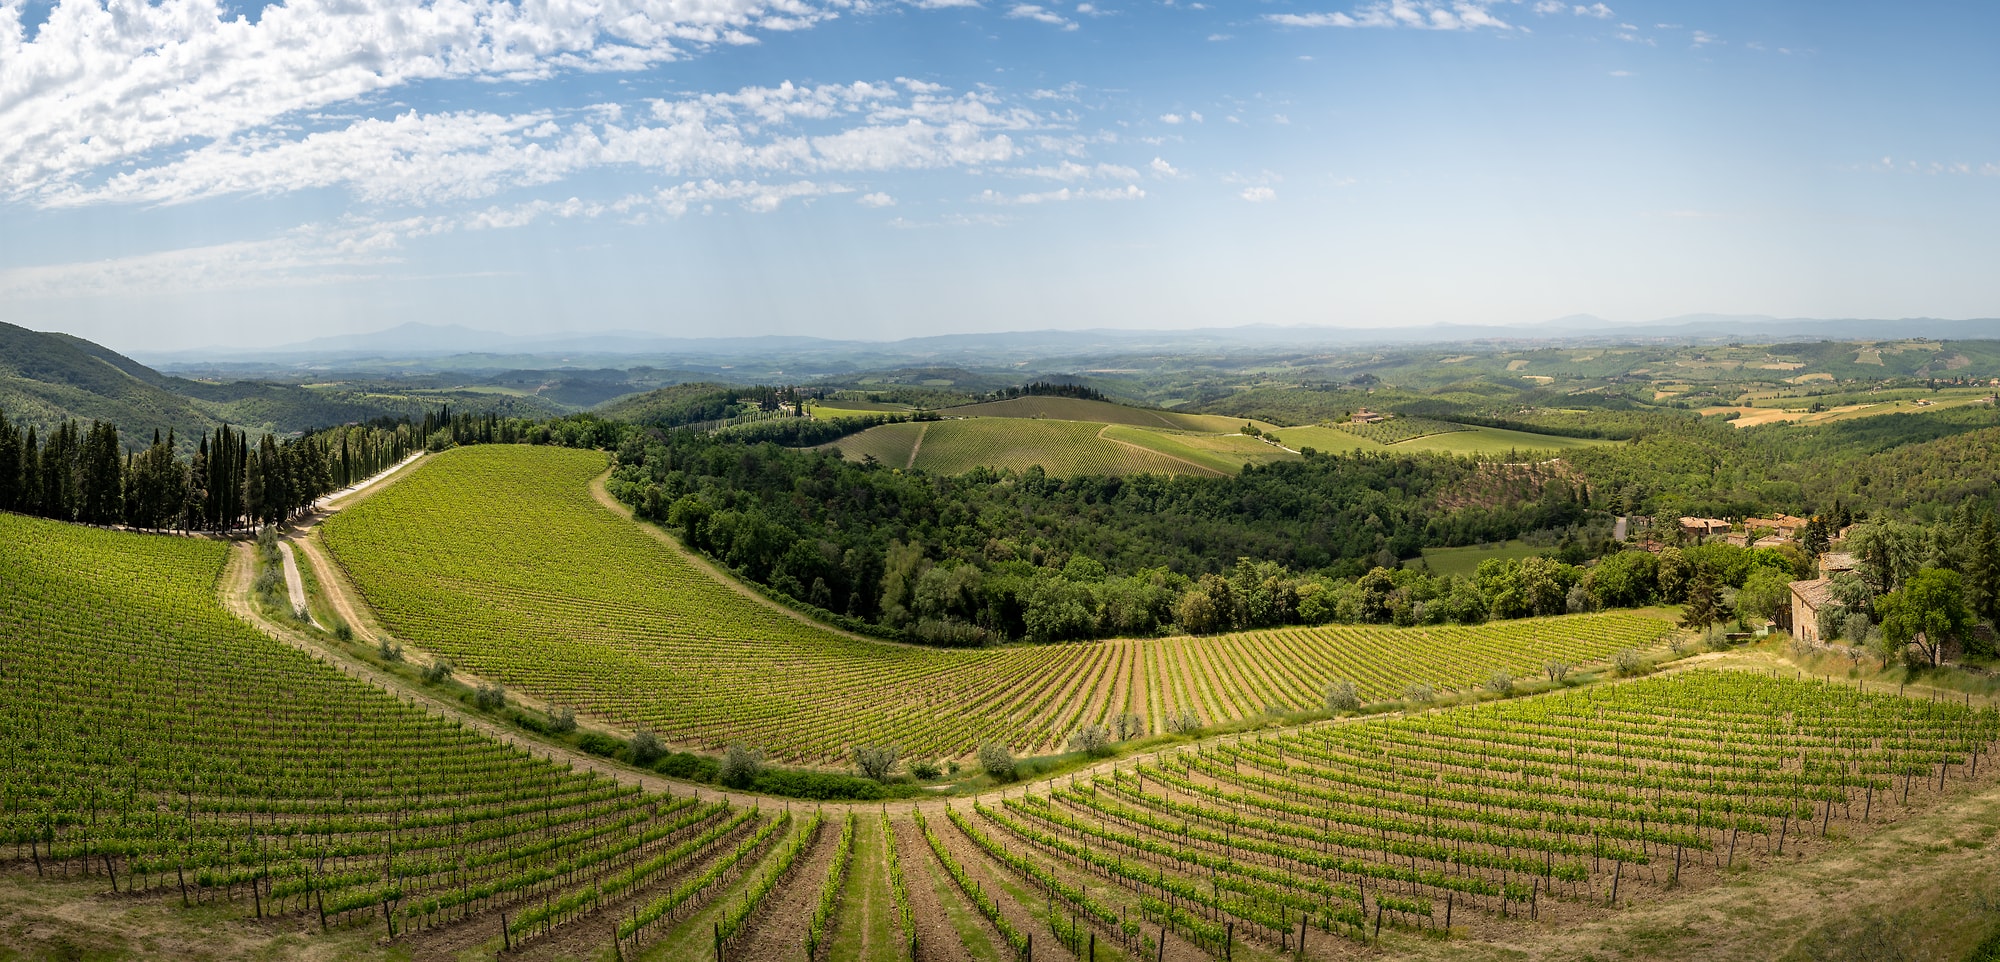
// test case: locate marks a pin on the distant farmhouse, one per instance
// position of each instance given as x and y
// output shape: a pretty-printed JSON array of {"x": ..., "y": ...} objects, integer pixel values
[
  {"x": 1809, "y": 598},
  {"x": 1704, "y": 527}
]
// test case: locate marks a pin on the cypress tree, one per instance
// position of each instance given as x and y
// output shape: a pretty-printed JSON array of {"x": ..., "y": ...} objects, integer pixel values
[{"x": 10, "y": 465}]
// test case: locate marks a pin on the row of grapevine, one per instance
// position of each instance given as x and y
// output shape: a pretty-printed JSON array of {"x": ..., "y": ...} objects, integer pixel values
[
  {"x": 1587, "y": 796},
  {"x": 156, "y": 743},
  {"x": 829, "y": 890}
]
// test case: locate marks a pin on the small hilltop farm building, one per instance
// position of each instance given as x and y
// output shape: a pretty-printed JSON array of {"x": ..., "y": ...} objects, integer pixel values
[
  {"x": 1704, "y": 527},
  {"x": 1809, "y": 598}
]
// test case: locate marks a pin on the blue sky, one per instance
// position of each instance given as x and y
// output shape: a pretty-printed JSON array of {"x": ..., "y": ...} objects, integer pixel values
[{"x": 191, "y": 173}]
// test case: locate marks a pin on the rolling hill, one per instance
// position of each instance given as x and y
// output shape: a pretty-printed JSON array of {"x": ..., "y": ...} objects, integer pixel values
[
  {"x": 47, "y": 378},
  {"x": 1074, "y": 436}
]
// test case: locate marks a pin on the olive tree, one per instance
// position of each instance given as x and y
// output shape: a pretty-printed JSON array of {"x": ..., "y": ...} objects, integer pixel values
[
  {"x": 1129, "y": 725},
  {"x": 998, "y": 761},
  {"x": 1341, "y": 695},
  {"x": 876, "y": 761},
  {"x": 740, "y": 766},
  {"x": 1094, "y": 739}
]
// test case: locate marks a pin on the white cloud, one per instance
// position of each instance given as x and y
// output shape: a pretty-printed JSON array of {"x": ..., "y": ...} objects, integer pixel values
[
  {"x": 1128, "y": 192},
  {"x": 1414, "y": 14},
  {"x": 1258, "y": 195},
  {"x": 1162, "y": 169},
  {"x": 1598, "y": 10},
  {"x": 1072, "y": 171},
  {"x": 1171, "y": 118},
  {"x": 425, "y": 159},
  {"x": 1040, "y": 14},
  {"x": 877, "y": 199},
  {"x": 103, "y": 83}
]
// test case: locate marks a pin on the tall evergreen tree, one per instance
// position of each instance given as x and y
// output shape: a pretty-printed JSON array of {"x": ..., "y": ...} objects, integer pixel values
[
  {"x": 10, "y": 465},
  {"x": 1982, "y": 572}
]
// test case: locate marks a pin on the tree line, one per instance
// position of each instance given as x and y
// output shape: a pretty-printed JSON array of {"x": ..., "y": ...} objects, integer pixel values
[
  {"x": 992, "y": 555},
  {"x": 88, "y": 474}
]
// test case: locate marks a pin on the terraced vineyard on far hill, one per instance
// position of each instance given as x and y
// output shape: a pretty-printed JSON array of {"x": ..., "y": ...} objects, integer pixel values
[{"x": 498, "y": 558}]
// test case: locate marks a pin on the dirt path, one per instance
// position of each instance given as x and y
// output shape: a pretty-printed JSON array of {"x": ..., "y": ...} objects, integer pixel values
[
  {"x": 917, "y": 447},
  {"x": 777, "y": 933},
  {"x": 235, "y": 597},
  {"x": 295, "y": 586},
  {"x": 938, "y": 938}
]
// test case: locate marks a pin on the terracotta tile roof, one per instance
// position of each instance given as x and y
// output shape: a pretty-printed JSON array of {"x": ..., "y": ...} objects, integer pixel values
[{"x": 1816, "y": 593}]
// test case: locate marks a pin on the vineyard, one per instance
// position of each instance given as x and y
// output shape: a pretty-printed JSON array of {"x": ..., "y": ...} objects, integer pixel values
[
  {"x": 163, "y": 748},
  {"x": 1589, "y": 798},
  {"x": 158, "y": 744},
  {"x": 1061, "y": 448},
  {"x": 1400, "y": 429},
  {"x": 498, "y": 558}
]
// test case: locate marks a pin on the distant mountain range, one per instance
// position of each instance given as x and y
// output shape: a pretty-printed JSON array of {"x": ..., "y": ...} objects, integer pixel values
[{"x": 416, "y": 340}]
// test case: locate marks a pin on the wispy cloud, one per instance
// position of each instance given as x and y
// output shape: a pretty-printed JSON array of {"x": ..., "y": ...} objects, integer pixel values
[
  {"x": 1040, "y": 14},
  {"x": 1413, "y": 14},
  {"x": 100, "y": 84},
  {"x": 427, "y": 159},
  {"x": 1128, "y": 192}
]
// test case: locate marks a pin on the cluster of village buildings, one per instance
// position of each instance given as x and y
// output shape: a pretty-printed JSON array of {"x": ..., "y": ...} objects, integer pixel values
[{"x": 1809, "y": 596}]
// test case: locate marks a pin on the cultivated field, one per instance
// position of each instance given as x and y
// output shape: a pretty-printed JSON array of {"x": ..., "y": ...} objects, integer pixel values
[
  {"x": 498, "y": 558},
  {"x": 1062, "y": 448},
  {"x": 165, "y": 747}
]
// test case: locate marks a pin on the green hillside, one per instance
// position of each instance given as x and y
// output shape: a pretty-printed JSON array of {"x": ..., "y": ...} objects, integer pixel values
[
  {"x": 48, "y": 378},
  {"x": 1062, "y": 448},
  {"x": 1099, "y": 412}
]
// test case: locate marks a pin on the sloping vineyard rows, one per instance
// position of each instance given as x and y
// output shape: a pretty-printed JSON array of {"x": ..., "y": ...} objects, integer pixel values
[
  {"x": 155, "y": 742},
  {"x": 497, "y": 558},
  {"x": 1589, "y": 796},
  {"x": 1401, "y": 429}
]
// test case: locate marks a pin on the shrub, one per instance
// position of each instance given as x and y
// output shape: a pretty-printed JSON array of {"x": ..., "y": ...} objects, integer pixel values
[
  {"x": 740, "y": 766},
  {"x": 562, "y": 721},
  {"x": 1342, "y": 696},
  {"x": 876, "y": 761},
  {"x": 817, "y": 786},
  {"x": 343, "y": 631},
  {"x": 1184, "y": 722},
  {"x": 645, "y": 747},
  {"x": 951, "y": 767},
  {"x": 1420, "y": 693},
  {"x": 1129, "y": 726},
  {"x": 692, "y": 767},
  {"x": 925, "y": 771},
  {"x": 489, "y": 698},
  {"x": 1557, "y": 671},
  {"x": 998, "y": 761},
  {"x": 388, "y": 650},
  {"x": 1627, "y": 661},
  {"x": 1676, "y": 643},
  {"x": 438, "y": 670},
  {"x": 1501, "y": 684},
  {"x": 597, "y": 744},
  {"x": 1095, "y": 739}
]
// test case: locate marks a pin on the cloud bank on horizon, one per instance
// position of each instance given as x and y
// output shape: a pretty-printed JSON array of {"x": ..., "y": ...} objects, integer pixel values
[{"x": 198, "y": 171}]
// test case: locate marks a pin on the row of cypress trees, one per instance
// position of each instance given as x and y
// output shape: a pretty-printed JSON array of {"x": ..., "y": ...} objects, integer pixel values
[{"x": 85, "y": 474}]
